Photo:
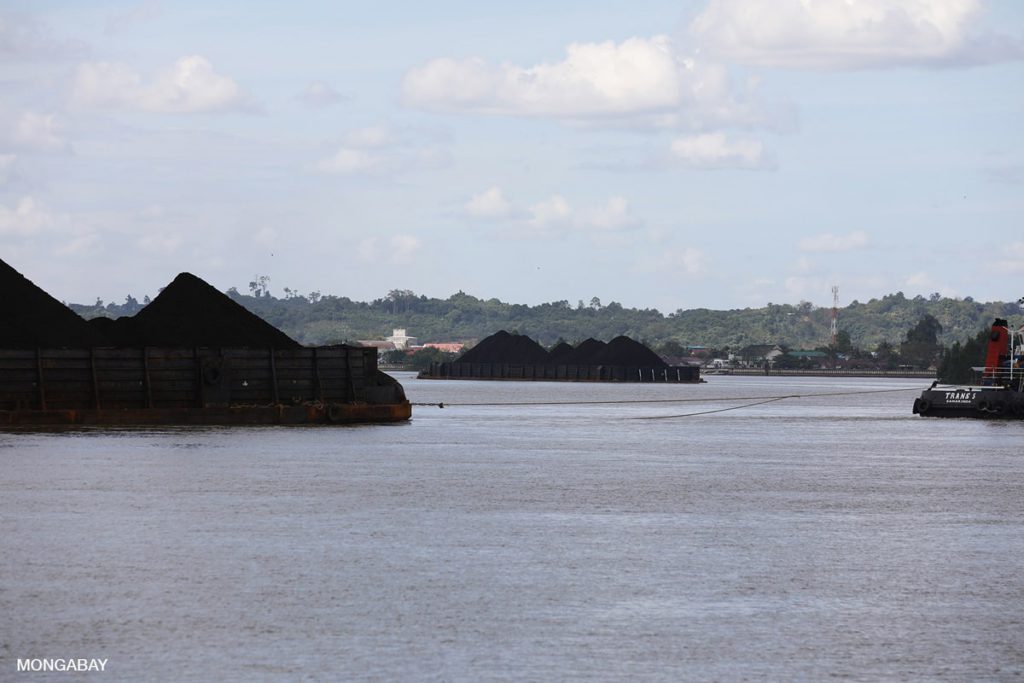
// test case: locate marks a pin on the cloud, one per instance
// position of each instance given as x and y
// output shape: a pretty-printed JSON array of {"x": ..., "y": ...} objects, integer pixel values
[
  {"x": 377, "y": 136},
  {"x": 1011, "y": 261},
  {"x": 688, "y": 261},
  {"x": 640, "y": 81},
  {"x": 383, "y": 150},
  {"x": 400, "y": 249},
  {"x": 23, "y": 37},
  {"x": 550, "y": 213},
  {"x": 160, "y": 242},
  {"x": 1007, "y": 174},
  {"x": 490, "y": 203},
  {"x": 319, "y": 94},
  {"x": 555, "y": 215},
  {"x": 80, "y": 244},
  {"x": 190, "y": 85},
  {"x": 37, "y": 132},
  {"x": 7, "y": 167},
  {"x": 27, "y": 218},
  {"x": 403, "y": 248},
  {"x": 613, "y": 216},
  {"x": 349, "y": 161},
  {"x": 847, "y": 34},
  {"x": 133, "y": 16},
  {"x": 857, "y": 239},
  {"x": 715, "y": 151}
]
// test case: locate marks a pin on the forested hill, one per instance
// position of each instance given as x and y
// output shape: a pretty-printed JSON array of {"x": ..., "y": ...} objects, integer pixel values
[{"x": 317, "y": 319}]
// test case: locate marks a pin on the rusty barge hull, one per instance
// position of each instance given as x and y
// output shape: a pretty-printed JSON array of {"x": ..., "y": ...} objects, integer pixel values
[
  {"x": 562, "y": 373},
  {"x": 230, "y": 416},
  {"x": 196, "y": 386}
]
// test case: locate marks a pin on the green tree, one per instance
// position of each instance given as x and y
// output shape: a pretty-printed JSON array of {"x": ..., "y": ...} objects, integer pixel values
[
  {"x": 958, "y": 361},
  {"x": 921, "y": 347}
]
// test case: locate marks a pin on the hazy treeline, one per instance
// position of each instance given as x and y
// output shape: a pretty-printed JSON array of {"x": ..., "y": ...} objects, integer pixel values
[{"x": 324, "y": 319}]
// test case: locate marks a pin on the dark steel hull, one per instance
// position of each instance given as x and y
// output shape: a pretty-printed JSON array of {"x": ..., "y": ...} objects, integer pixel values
[
  {"x": 562, "y": 373},
  {"x": 970, "y": 401},
  {"x": 196, "y": 386},
  {"x": 335, "y": 413}
]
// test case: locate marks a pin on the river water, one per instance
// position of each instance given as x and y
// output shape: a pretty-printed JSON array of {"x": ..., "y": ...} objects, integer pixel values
[{"x": 808, "y": 538}]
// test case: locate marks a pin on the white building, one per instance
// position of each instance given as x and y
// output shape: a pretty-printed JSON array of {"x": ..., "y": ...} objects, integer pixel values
[{"x": 401, "y": 340}]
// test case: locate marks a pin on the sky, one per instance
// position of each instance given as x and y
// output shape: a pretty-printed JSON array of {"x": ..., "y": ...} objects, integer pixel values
[{"x": 671, "y": 155}]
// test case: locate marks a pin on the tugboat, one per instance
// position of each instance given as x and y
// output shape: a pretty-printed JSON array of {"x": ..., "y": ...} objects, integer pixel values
[{"x": 999, "y": 393}]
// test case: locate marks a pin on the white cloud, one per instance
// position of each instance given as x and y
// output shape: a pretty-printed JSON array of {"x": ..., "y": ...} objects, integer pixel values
[
  {"x": 555, "y": 215},
  {"x": 348, "y": 161},
  {"x": 921, "y": 279},
  {"x": 367, "y": 249},
  {"x": 190, "y": 85},
  {"x": 400, "y": 249},
  {"x": 7, "y": 167},
  {"x": 857, "y": 239},
  {"x": 37, "y": 132},
  {"x": 382, "y": 150},
  {"x": 79, "y": 244},
  {"x": 715, "y": 151},
  {"x": 27, "y": 218},
  {"x": 923, "y": 282},
  {"x": 25, "y": 37},
  {"x": 160, "y": 242},
  {"x": 640, "y": 81},
  {"x": 377, "y": 136},
  {"x": 490, "y": 203},
  {"x": 550, "y": 213},
  {"x": 847, "y": 34},
  {"x": 133, "y": 16},
  {"x": 1012, "y": 260},
  {"x": 687, "y": 261},
  {"x": 614, "y": 215},
  {"x": 403, "y": 248},
  {"x": 319, "y": 94}
]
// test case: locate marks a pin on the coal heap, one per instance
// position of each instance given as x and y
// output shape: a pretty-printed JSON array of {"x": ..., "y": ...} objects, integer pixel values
[
  {"x": 189, "y": 312},
  {"x": 31, "y": 318},
  {"x": 558, "y": 352},
  {"x": 582, "y": 354},
  {"x": 502, "y": 347},
  {"x": 625, "y": 351}
]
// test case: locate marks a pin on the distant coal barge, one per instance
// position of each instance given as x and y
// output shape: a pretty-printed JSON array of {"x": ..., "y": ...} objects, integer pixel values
[
  {"x": 999, "y": 392},
  {"x": 191, "y": 357},
  {"x": 505, "y": 356}
]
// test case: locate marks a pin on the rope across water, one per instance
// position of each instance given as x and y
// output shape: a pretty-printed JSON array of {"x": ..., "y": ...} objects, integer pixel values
[{"x": 754, "y": 401}]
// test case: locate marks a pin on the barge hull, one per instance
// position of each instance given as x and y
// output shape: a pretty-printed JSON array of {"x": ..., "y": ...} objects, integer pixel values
[
  {"x": 227, "y": 416},
  {"x": 196, "y": 386},
  {"x": 562, "y": 373},
  {"x": 966, "y": 401}
]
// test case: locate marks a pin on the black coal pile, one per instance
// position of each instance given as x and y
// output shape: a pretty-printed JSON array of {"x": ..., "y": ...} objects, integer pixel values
[
  {"x": 502, "y": 347},
  {"x": 31, "y": 318},
  {"x": 582, "y": 354},
  {"x": 558, "y": 352},
  {"x": 625, "y": 351},
  {"x": 189, "y": 312}
]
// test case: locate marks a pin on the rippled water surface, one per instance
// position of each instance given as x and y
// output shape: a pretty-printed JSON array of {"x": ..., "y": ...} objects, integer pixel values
[{"x": 807, "y": 538}]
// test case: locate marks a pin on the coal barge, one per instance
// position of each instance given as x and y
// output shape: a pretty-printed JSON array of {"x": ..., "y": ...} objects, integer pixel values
[
  {"x": 191, "y": 357},
  {"x": 506, "y": 356},
  {"x": 999, "y": 392}
]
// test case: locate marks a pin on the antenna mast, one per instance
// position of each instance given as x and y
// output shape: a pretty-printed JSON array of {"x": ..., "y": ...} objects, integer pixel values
[{"x": 835, "y": 314}]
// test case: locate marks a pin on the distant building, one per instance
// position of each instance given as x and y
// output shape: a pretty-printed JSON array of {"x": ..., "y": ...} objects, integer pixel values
[
  {"x": 401, "y": 340},
  {"x": 445, "y": 347},
  {"x": 381, "y": 346},
  {"x": 758, "y": 354}
]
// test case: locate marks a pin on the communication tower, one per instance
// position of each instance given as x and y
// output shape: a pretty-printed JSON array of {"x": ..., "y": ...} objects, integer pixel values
[{"x": 835, "y": 314}]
